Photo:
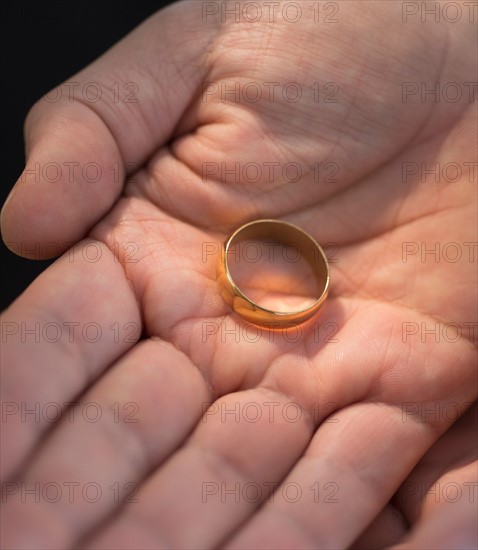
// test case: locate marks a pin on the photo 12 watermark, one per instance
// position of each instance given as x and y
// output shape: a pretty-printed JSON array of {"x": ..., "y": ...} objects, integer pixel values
[
  {"x": 50, "y": 412},
  {"x": 440, "y": 92},
  {"x": 69, "y": 492},
  {"x": 66, "y": 171},
  {"x": 439, "y": 492},
  {"x": 270, "y": 172},
  {"x": 270, "y": 11},
  {"x": 92, "y": 92},
  {"x": 90, "y": 251},
  {"x": 429, "y": 331},
  {"x": 450, "y": 252},
  {"x": 436, "y": 412},
  {"x": 69, "y": 332},
  {"x": 440, "y": 11},
  {"x": 440, "y": 172},
  {"x": 268, "y": 251},
  {"x": 255, "y": 91},
  {"x": 270, "y": 332},
  {"x": 73, "y": 171},
  {"x": 254, "y": 492},
  {"x": 268, "y": 411}
]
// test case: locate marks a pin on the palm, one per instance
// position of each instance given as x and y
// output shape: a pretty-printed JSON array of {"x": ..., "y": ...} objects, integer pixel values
[{"x": 197, "y": 353}]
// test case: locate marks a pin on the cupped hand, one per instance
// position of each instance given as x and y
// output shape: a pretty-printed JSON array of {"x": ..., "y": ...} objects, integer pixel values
[{"x": 182, "y": 425}]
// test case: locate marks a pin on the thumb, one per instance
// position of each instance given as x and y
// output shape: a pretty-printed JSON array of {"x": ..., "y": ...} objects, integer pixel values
[
  {"x": 72, "y": 176},
  {"x": 83, "y": 137}
]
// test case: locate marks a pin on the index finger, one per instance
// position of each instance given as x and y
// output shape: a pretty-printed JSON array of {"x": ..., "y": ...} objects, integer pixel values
[{"x": 57, "y": 337}]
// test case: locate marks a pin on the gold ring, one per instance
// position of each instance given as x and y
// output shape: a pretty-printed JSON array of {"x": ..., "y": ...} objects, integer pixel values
[{"x": 285, "y": 233}]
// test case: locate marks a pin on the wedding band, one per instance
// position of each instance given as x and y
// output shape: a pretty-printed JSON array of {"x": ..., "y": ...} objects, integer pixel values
[{"x": 285, "y": 233}]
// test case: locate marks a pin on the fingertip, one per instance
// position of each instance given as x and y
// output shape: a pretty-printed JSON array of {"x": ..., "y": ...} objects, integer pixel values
[{"x": 26, "y": 233}]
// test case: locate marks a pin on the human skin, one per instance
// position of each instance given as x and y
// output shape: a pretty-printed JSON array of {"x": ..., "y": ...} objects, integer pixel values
[{"x": 364, "y": 427}]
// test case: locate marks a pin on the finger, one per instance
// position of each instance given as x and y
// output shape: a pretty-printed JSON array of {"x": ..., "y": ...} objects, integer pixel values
[
  {"x": 351, "y": 470},
  {"x": 57, "y": 337},
  {"x": 82, "y": 137},
  {"x": 129, "y": 422},
  {"x": 387, "y": 528},
  {"x": 439, "y": 497},
  {"x": 451, "y": 526},
  {"x": 442, "y": 473},
  {"x": 201, "y": 486},
  {"x": 227, "y": 456}
]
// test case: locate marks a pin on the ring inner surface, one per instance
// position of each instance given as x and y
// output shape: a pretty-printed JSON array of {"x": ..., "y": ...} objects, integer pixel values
[{"x": 276, "y": 266}]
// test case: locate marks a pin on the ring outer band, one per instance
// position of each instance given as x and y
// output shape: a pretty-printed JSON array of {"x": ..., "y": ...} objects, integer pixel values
[{"x": 249, "y": 310}]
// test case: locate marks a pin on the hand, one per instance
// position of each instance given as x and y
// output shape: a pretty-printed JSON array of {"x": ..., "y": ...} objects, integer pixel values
[{"x": 361, "y": 428}]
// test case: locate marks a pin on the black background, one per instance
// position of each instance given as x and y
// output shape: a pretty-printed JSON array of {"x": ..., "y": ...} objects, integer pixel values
[{"x": 42, "y": 45}]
